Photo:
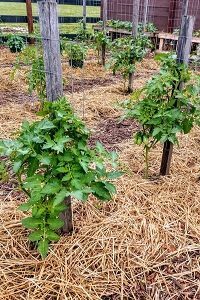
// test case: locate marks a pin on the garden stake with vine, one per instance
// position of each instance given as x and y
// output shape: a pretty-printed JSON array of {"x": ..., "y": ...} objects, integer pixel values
[
  {"x": 163, "y": 109},
  {"x": 183, "y": 53}
]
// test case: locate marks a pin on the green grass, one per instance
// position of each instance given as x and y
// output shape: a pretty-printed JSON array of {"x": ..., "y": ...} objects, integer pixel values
[
  {"x": 64, "y": 28},
  {"x": 19, "y": 9}
]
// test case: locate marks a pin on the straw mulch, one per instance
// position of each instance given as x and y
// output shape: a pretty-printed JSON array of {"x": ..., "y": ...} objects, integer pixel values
[{"x": 144, "y": 244}]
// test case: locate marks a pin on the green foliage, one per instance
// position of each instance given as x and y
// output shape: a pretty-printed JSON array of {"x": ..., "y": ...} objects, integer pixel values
[
  {"x": 100, "y": 39},
  {"x": 15, "y": 43},
  {"x": 35, "y": 74},
  {"x": 162, "y": 108},
  {"x": 52, "y": 161},
  {"x": 74, "y": 50},
  {"x": 83, "y": 34},
  {"x": 126, "y": 52},
  {"x": 117, "y": 24},
  {"x": 3, "y": 172}
]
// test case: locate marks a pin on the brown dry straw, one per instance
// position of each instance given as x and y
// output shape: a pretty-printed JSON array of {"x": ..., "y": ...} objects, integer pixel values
[{"x": 144, "y": 244}]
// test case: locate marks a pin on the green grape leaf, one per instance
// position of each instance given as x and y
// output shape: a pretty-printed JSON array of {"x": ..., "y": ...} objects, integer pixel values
[{"x": 43, "y": 248}]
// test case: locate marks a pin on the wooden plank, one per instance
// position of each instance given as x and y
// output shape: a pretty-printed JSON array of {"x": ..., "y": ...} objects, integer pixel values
[
  {"x": 173, "y": 37},
  {"x": 62, "y": 20}
]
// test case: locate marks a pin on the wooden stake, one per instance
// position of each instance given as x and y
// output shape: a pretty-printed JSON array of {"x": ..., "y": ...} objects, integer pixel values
[
  {"x": 48, "y": 19},
  {"x": 183, "y": 53},
  {"x": 67, "y": 216},
  {"x": 135, "y": 19},
  {"x": 105, "y": 16},
  {"x": 146, "y": 3},
  {"x": 84, "y": 14},
  {"x": 29, "y": 19}
]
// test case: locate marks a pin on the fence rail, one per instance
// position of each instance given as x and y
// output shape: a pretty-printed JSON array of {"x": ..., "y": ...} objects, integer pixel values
[
  {"x": 61, "y": 20},
  {"x": 63, "y": 2}
]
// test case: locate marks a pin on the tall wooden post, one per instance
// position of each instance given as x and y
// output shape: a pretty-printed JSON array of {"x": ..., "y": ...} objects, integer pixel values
[
  {"x": 105, "y": 17},
  {"x": 146, "y": 3},
  {"x": 84, "y": 14},
  {"x": 29, "y": 13},
  {"x": 135, "y": 20},
  {"x": 48, "y": 19},
  {"x": 183, "y": 54},
  {"x": 185, "y": 8}
]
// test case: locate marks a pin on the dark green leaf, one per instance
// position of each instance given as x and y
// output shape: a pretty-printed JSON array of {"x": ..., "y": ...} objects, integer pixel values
[
  {"x": 55, "y": 223},
  {"x": 35, "y": 236}
]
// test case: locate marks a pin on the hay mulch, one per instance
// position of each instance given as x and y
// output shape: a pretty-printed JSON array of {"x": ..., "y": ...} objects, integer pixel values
[{"x": 144, "y": 244}]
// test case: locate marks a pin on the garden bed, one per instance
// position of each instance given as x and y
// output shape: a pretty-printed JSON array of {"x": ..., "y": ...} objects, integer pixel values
[{"x": 144, "y": 244}]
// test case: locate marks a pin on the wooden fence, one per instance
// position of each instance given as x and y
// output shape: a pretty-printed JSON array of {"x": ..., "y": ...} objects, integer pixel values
[{"x": 67, "y": 19}]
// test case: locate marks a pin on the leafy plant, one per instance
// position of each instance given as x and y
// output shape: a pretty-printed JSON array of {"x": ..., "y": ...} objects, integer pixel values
[
  {"x": 15, "y": 43},
  {"x": 100, "y": 41},
  {"x": 163, "y": 109},
  {"x": 126, "y": 52},
  {"x": 35, "y": 74},
  {"x": 75, "y": 51},
  {"x": 3, "y": 172},
  {"x": 117, "y": 24},
  {"x": 52, "y": 161},
  {"x": 83, "y": 34}
]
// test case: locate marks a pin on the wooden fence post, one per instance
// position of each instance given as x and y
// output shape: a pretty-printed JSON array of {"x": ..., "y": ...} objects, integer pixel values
[
  {"x": 146, "y": 3},
  {"x": 135, "y": 19},
  {"x": 29, "y": 13},
  {"x": 48, "y": 19},
  {"x": 105, "y": 17},
  {"x": 84, "y": 14},
  {"x": 183, "y": 54}
]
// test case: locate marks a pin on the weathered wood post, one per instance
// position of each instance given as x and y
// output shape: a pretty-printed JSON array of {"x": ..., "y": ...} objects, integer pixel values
[
  {"x": 146, "y": 3},
  {"x": 29, "y": 13},
  {"x": 48, "y": 19},
  {"x": 105, "y": 17},
  {"x": 84, "y": 14},
  {"x": 183, "y": 54},
  {"x": 135, "y": 19}
]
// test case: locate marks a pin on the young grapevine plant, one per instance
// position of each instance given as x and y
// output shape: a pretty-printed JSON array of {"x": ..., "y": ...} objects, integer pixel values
[
  {"x": 126, "y": 53},
  {"x": 35, "y": 73},
  {"x": 52, "y": 161},
  {"x": 166, "y": 106}
]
